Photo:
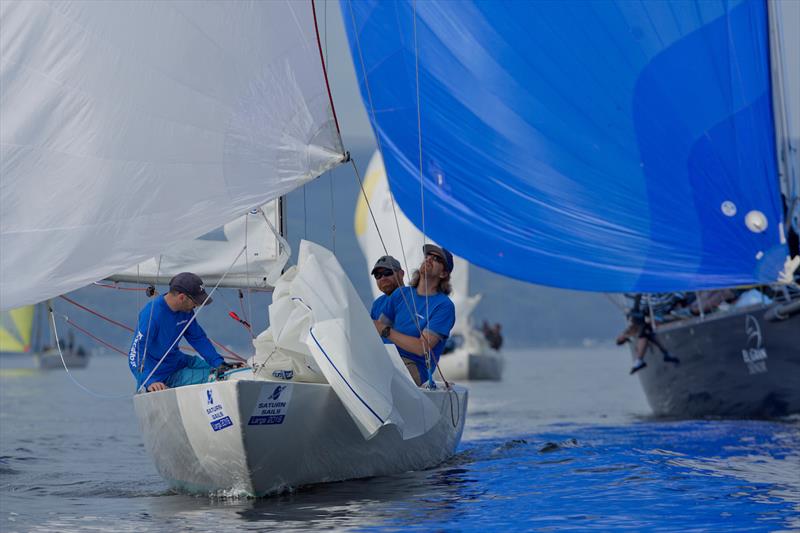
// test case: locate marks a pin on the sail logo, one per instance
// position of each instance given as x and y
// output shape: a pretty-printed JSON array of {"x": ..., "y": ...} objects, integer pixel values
[
  {"x": 283, "y": 374},
  {"x": 216, "y": 412},
  {"x": 272, "y": 406},
  {"x": 277, "y": 392},
  {"x": 754, "y": 355}
]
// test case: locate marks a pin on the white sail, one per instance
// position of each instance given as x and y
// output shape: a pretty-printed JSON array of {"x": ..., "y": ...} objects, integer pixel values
[
  {"x": 376, "y": 188},
  {"x": 128, "y": 127},
  {"x": 209, "y": 256}
]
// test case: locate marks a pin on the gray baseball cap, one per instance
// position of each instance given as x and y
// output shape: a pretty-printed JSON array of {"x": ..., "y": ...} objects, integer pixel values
[
  {"x": 191, "y": 285},
  {"x": 388, "y": 262}
]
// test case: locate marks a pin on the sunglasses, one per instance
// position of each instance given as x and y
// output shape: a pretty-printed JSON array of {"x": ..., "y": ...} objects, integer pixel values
[
  {"x": 383, "y": 274},
  {"x": 437, "y": 259}
]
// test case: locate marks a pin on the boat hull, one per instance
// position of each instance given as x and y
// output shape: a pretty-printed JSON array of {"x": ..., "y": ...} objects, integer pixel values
[
  {"x": 51, "y": 360},
  {"x": 463, "y": 364},
  {"x": 311, "y": 439},
  {"x": 732, "y": 364}
]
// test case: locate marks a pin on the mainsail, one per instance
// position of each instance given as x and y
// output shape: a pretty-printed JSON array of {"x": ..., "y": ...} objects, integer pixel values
[
  {"x": 128, "y": 127},
  {"x": 606, "y": 146}
]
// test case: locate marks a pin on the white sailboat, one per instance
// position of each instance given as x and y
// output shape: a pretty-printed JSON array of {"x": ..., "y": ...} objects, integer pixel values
[
  {"x": 221, "y": 109},
  {"x": 469, "y": 356}
]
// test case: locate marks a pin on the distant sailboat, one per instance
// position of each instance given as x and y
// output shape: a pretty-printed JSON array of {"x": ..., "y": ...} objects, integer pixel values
[
  {"x": 16, "y": 330},
  {"x": 22, "y": 331},
  {"x": 468, "y": 355}
]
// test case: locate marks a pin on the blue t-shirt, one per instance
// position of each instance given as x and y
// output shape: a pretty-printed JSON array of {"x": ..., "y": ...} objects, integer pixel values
[
  {"x": 377, "y": 306},
  {"x": 438, "y": 316},
  {"x": 165, "y": 326}
]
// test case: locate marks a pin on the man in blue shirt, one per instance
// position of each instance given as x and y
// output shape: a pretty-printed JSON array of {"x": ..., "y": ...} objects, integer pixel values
[
  {"x": 388, "y": 276},
  {"x": 161, "y": 324},
  {"x": 418, "y": 319}
]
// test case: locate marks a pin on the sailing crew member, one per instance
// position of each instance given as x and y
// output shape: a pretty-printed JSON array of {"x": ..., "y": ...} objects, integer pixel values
[
  {"x": 388, "y": 276},
  {"x": 418, "y": 319},
  {"x": 161, "y": 322}
]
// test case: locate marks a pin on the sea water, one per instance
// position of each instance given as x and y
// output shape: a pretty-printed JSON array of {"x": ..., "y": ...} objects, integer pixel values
[{"x": 564, "y": 442}]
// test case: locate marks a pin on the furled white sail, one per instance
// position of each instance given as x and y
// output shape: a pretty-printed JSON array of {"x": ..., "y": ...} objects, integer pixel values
[
  {"x": 376, "y": 188},
  {"x": 210, "y": 256},
  {"x": 319, "y": 327},
  {"x": 128, "y": 127}
]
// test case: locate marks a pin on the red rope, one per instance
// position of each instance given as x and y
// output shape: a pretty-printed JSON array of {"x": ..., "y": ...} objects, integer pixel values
[
  {"x": 118, "y": 288},
  {"x": 95, "y": 313},
  {"x": 324, "y": 70},
  {"x": 101, "y": 341}
]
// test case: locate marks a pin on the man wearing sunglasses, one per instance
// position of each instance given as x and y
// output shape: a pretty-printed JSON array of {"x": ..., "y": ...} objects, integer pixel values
[
  {"x": 418, "y": 319},
  {"x": 388, "y": 276}
]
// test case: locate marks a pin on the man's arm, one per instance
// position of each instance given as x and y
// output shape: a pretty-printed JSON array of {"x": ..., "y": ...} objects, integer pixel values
[
  {"x": 415, "y": 345},
  {"x": 199, "y": 341}
]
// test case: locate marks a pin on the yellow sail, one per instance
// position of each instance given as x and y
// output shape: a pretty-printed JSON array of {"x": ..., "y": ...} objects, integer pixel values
[{"x": 16, "y": 329}]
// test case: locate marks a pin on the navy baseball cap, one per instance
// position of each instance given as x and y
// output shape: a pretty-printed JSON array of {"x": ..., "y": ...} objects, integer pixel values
[
  {"x": 440, "y": 252},
  {"x": 388, "y": 262},
  {"x": 192, "y": 286}
]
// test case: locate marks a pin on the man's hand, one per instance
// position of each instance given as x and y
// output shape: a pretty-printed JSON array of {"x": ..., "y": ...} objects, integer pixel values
[
  {"x": 157, "y": 386},
  {"x": 224, "y": 367}
]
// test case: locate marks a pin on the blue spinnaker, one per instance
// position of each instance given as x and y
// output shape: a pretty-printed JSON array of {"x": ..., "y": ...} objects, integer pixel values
[{"x": 608, "y": 146}]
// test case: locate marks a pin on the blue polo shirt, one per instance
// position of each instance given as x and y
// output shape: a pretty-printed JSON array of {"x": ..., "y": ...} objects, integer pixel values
[
  {"x": 377, "y": 306},
  {"x": 165, "y": 326},
  {"x": 435, "y": 313}
]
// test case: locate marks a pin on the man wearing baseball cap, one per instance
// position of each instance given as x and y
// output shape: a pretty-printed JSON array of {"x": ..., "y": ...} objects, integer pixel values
[
  {"x": 162, "y": 322},
  {"x": 388, "y": 276},
  {"x": 418, "y": 318}
]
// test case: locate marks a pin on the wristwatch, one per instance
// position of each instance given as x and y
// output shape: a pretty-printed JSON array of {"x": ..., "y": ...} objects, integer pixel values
[{"x": 386, "y": 331}]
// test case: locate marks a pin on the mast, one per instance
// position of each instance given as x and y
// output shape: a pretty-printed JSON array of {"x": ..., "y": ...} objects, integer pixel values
[{"x": 784, "y": 23}]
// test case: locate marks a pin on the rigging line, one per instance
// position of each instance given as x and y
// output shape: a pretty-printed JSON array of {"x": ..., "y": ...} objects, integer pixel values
[
  {"x": 305, "y": 214},
  {"x": 421, "y": 177},
  {"x": 118, "y": 288},
  {"x": 377, "y": 136},
  {"x": 247, "y": 274},
  {"x": 329, "y": 172},
  {"x": 413, "y": 303},
  {"x": 91, "y": 336},
  {"x": 380, "y": 150},
  {"x": 95, "y": 313},
  {"x": 369, "y": 206},
  {"x": 325, "y": 70},
  {"x": 69, "y": 374},
  {"x": 191, "y": 321}
]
